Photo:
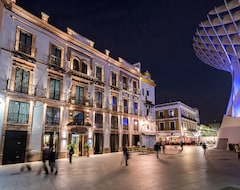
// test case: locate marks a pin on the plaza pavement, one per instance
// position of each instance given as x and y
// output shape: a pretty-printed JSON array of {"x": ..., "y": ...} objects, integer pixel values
[{"x": 186, "y": 170}]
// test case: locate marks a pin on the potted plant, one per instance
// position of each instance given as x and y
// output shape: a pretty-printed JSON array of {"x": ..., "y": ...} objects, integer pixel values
[{"x": 86, "y": 149}]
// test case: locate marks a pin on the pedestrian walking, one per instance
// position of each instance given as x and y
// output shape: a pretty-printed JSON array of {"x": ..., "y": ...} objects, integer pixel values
[
  {"x": 157, "y": 149},
  {"x": 70, "y": 153},
  {"x": 204, "y": 146},
  {"x": 45, "y": 157},
  {"x": 181, "y": 145},
  {"x": 237, "y": 149},
  {"x": 28, "y": 156},
  {"x": 126, "y": 155},
  {"x": 163, "y": 147},
  {"x": 52, "y": 161}
]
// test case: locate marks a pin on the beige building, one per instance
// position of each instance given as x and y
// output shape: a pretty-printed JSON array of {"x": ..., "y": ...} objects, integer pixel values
[
  {"x": 57, "y": 89},
  {"x": 176, "y": 122}
]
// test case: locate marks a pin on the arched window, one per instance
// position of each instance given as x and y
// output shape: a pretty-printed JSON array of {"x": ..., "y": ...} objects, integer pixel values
[
  {"x": 75, "y": 65},
  {"x": 84, "y": 67}
]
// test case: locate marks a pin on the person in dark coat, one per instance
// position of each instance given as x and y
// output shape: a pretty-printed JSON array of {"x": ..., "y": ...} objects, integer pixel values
[
  {"x": 126, "y": 155},
  {"x": 28, "y": 156},
  {"x": 52, "y": 161},
  {"x": 70, "y": 153},
  {"x": 45, "y": 157},
  {"x": 157, "y": 149}
]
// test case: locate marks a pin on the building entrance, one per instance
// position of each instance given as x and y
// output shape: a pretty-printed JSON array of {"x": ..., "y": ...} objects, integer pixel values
[
  {"x": 14, "y": 147},
  {"x": 114, "y": 142},
  {"x": 79, "y": 140}
]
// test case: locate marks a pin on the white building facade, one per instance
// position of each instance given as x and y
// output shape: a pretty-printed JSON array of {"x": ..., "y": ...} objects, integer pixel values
[
  {"x": 57, "y": 89},
  {"x": 147, "y": 103}
]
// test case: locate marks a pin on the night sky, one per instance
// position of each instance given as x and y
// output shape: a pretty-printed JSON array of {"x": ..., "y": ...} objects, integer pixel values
[{"x": 157, "y": 33}]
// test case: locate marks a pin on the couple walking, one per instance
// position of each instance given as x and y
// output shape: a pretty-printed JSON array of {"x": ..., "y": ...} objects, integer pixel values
[{"x": 50, "y": 155}]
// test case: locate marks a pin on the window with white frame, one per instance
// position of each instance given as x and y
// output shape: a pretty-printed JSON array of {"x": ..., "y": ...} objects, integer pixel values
[
  {"x": 161, "y": 114},
  {"x": 54, "y": 89},
  {"x": 18, "y": 112},
  {"x": 114, "y": 122},
  {"x": 55, "y": 55},
  {"x": 98, "y": 98},
  {"x": 114, "y": 103},
  {"x": 52, "y": 116},
  {"x": 125, "y": 123},
  {"x": 78, "y": 117},
  {"x": 172, "y": 125},
  {"x": 98, "y": 120},
  {"x": 125, "y": 83},
  {"x": 24, "y": 42},
  {"x": 171, "y": 113},
  {"x": 114, "y": 79},
  {"x": 99, "y": 73},
  {"x": 21, "y": 83},
  {"x": 125, "y": 106}
]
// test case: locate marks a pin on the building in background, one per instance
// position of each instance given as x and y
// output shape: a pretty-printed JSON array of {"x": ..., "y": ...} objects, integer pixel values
[
  {"x": 176, "y": 122},
  {"x": 57, "y": 89},
  {"x": 208, "y": 134},
  {"x": 147, "y": 103},
  {"x": 217, "y": 43}
]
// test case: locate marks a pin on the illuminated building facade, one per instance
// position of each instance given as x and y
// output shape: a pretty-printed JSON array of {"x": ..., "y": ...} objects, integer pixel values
[
  {"x": 217, "y": 43},
  {"x": 176, "y": 122},
  {"x": 57, "y": 89},
  {"x": 147, "y": 103}
]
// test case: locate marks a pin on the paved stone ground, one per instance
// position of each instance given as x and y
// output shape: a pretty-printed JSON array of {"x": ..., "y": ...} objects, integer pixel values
[{"x": 186, "y": 170}]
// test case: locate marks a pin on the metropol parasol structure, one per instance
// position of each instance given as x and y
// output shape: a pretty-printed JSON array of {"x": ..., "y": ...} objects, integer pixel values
[{"x": 217, "y": 43}]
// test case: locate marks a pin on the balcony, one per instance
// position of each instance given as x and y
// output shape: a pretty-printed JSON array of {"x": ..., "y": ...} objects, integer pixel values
[
  {"x": 149, "y": 99},
  {"x": 25, "y": 51},
  {"x": 55, "y": 63}
]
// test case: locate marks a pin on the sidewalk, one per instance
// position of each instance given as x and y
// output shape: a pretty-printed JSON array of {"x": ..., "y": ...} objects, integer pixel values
[{"x": 182, "y": 170}]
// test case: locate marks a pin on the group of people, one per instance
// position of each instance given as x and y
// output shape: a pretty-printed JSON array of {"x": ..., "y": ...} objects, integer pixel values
[
  {"x": 49, "y": 155},
  {"x": 159, "y": 146}
]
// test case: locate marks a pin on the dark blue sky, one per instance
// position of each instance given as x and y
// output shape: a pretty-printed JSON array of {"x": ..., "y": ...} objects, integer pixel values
[{"x": 154, "y": 32}]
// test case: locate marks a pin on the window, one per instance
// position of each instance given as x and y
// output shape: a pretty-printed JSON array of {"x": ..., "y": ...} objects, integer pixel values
[
  {"x": 135, "y": 108},
  {"x": 18, "y": 112},
  {"x": 114, "y": 122},
  {"x": 52, "y": 116},
  {"x": 125, "y": 106},
  {"x": 25, "y": 42},
  {"x": 114, "y": 79},
  {"x": 135, "y": 124},
  {"x": 84, "y": 67},
  {"x": 114, "y": 103},
  {"x": 98, "y": 120},
  {"x": 99, "y": 73},
  {"x": 125, "y": 123},
  {"x": 162, "y": 126},
  {"x": 172, "y": 125},
  {"x": 171, "y": 113},
  {"x": 135, "y": 87},
  {"x": 76, "y": 65},
  {"x": 143, "y": 91},
  {"x": 79, "y": 98},
  {"x": 56, "y": 54},
  {"x": 54, "y": 89},
  {"x": 21, "y": 81},
  {"x": 78, "y": 117},
  {"x": 98, "y": 96},
  {"x": 147, "y": 92},
  {"x": 125, "y": 86},
  {"x": 80, "y": 66},
  {"x": 161, "y": 114}
]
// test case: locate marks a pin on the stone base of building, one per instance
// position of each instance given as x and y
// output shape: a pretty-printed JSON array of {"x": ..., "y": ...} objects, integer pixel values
[
  {"x": 62, "y": 155},
  {"x": 229, "y": 132},
  {"x": 106, "y": 150}
]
